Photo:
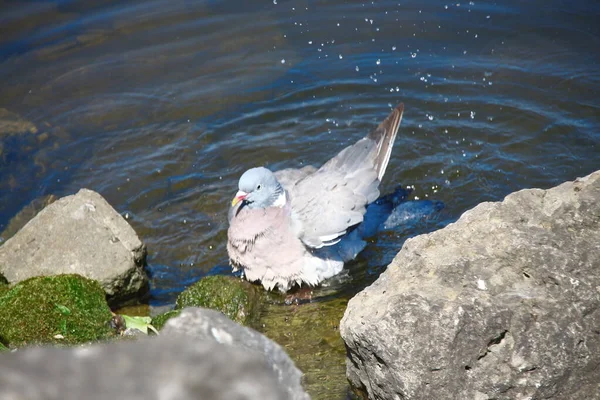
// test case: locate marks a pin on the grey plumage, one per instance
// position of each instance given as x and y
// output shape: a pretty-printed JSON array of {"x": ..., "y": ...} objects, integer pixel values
[{"x": 285, "y": 226}]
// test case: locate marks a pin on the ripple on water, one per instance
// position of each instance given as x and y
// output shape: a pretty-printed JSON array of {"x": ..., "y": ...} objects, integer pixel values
[{"x": 161, "y": 106}]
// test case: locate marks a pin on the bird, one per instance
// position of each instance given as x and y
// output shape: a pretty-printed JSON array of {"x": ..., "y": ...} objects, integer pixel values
[{"x": 296, "y": 227}]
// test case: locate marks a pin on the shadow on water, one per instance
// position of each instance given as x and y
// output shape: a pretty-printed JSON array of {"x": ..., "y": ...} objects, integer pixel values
[{"x": 160, "y": 106}]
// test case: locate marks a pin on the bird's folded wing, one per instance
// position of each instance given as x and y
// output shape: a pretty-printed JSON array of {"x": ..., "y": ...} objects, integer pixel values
[
  {"x": 290, "y": 176},
  {"x": 325, "y": 204},
  {"x": 334, "y": 198}
]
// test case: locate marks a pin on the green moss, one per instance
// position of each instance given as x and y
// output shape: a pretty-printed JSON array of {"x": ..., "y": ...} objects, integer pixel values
[
  {"x": 238, "y": 299},
  {"x": 36, "y": 310},
  {"x": 3, "y": 285},
  {"x": 310, "y": 334},
  {"x": 159, "y": 321}
]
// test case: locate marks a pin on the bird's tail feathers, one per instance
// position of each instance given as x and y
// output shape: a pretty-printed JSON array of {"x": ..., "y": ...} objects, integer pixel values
[{"x": 385, "y": 135}]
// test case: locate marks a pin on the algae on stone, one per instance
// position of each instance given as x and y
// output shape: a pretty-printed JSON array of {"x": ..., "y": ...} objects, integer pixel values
[
  {"x": 234, "y": 297},
  {"x": 160, "y": 320},
  {"x": 61, "y": 309},
  {"x": 3, "y": 285},
  {"x": 310, "y": 334}
]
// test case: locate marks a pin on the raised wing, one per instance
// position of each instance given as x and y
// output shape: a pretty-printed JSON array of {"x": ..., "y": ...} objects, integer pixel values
[{"x": 334, "y": 198}]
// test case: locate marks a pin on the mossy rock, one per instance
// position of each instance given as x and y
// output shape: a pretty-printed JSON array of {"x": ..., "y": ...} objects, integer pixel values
[
  {"x": 61, "y": 310},
  {"x": 3, "y": 285},
  {"x": 238, "y": 299},
  {"x": 160, "y": 320}
]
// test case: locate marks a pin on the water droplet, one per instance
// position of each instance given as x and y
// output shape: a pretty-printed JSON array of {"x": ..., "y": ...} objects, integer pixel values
[
  {"x": 357, "y": 69},
  {"x": 393, "y": 48},
  {"x": 275, "y": 2},
  {"x": 340, "y": 56},
  {"x": 413, "y": 55},
  {"x": 378, "y": 62},
  {"x": 283, "y": 60}
]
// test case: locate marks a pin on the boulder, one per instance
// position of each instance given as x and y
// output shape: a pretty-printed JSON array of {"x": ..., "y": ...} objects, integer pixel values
[
  {"x": 26, "y": 214},
  {"x": 79, "y": 234},
  {"x": 60, "y": 309},
  {"x": 210, "y": 326},
  {"x": 163, "y": 367},
  {"x": 502, "y": 304},
  {"x": 238, "y": 299}
]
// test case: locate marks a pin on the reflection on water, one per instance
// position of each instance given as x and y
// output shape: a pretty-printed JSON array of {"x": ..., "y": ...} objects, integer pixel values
[{"x": 161, "y": 105}]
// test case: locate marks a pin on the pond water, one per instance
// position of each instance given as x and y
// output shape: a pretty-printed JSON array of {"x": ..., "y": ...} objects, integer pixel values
[{"x": 161, "y": 105}]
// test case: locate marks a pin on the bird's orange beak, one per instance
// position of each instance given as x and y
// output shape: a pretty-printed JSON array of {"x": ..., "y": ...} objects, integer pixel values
[{"x": 239, "y": 196}]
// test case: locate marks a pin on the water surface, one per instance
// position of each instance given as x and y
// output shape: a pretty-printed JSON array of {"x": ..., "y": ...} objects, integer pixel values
[{"x": 161, "y": 105}]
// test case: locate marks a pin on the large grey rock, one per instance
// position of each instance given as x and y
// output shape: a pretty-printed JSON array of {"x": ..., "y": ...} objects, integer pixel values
[
  {"x": 502, "y": 304},
  {"x": 169, "y": 367},
  {"x": 79, "y": 234},
  {"x": 212, "y": 326}
]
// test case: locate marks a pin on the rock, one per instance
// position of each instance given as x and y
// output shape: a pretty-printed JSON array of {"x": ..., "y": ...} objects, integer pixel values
[
  {"x": 3, "y": 285},
  {"x": 210, "y": 326},
  {"x": 160, "y": 320},
  {"x": 503, "y": 304},
  {"x": 79, "y": 234},
  {"x": 164, "y": 367},
  {"x": 25, "y": 215},
  {"x": 236, "y": 298},
  {"x": 63, "y": 310}
]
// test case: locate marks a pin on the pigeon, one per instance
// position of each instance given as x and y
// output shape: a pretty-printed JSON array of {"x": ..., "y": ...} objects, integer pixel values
[{"x": 297, "y": 226}]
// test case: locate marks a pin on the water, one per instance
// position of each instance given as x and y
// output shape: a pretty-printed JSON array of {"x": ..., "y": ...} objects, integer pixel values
[{"x": 161, "y": 105}]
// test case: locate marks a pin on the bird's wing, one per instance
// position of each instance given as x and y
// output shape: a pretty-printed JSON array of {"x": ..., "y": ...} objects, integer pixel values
[
  {"x": 290, "y": 176},
  {"x": 334, "y": 198}
]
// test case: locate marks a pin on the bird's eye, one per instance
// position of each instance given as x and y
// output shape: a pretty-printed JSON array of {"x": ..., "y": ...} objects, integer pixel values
[{"x": 258, "y": 187}]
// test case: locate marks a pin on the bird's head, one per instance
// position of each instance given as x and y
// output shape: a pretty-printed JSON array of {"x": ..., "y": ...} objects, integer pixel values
[{"x": 258, "y": 188}]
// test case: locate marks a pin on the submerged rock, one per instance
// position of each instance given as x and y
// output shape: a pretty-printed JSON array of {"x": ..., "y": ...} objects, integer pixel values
[
  {"x": 63, "y": 309},
  {"x": 12, "y": 124},
  {"x": 210, "y": 326},
  {"x": 238, "y": 299},
  {"x": 79, "y": 234},
  {"x": 164, "y": 367},
  {"x": 310, "y": 335},
  {"x": 502, "y": 304}
]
